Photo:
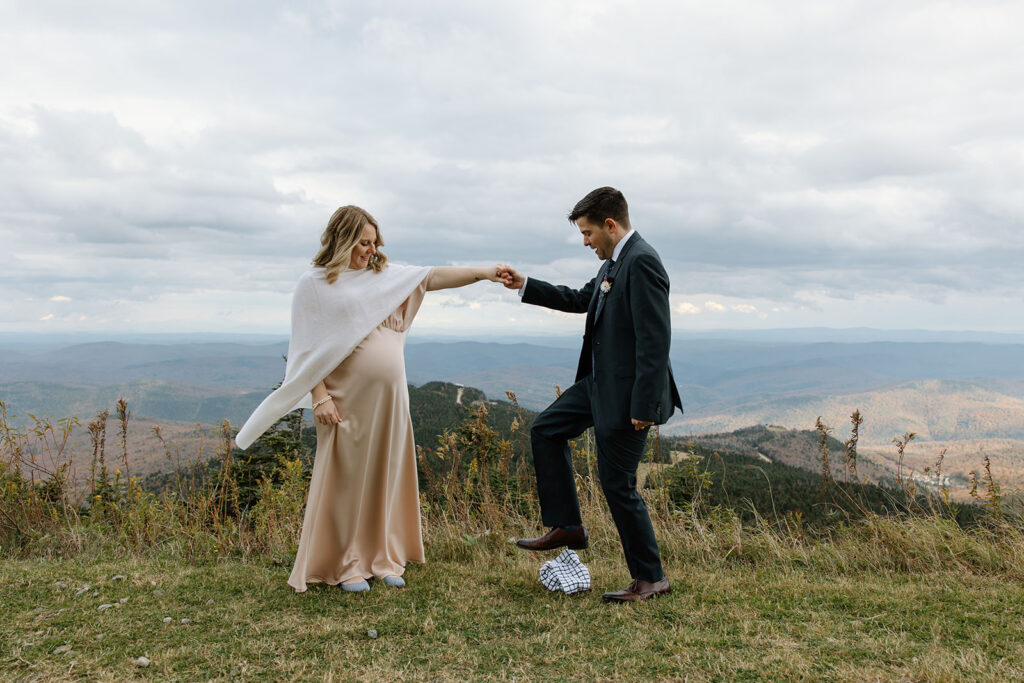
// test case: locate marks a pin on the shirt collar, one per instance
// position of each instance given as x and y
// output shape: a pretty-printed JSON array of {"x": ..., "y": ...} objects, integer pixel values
[{"x": 621, "y": 244}]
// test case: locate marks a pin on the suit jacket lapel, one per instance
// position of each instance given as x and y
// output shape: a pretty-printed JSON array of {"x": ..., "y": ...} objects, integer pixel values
[
  {"x": 592, "y": 310},
  {"x": 592, "y": 314}
]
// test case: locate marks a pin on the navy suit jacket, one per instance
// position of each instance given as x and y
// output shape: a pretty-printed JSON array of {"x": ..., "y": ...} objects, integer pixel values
[{"x": 626, "y": 346}]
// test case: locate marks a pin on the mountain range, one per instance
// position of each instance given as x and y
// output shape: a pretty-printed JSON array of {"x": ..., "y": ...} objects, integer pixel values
[
  {"x": 942, "y": 390},
  {"x": 959, "y": 392}
]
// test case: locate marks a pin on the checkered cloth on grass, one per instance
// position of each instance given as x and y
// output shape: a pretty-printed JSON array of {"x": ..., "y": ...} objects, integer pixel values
[{"x": 565, "y": 573}]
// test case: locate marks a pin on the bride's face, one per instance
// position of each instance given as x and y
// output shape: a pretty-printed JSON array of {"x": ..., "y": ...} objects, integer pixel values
[{"x": 364, "y": 248}]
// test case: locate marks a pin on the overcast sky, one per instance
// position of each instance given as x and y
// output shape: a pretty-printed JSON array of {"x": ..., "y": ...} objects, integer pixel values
[{"x": 169, "y": 166}]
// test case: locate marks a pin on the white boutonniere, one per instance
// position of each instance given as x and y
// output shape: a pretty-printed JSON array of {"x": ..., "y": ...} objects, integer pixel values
[{"x": 606, "y": 285}]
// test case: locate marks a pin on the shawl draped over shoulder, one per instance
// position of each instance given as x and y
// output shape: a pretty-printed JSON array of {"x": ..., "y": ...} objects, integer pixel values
[{"x": 328, "y": 323}]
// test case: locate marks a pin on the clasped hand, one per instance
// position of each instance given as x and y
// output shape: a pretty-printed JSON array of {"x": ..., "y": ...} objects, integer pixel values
[{"x": 509, "y": 276}]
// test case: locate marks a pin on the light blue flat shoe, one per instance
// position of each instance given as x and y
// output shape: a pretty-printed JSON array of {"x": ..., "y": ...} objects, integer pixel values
[
  {"x": 358, "y": 587},
  {"x": 394, "y": 581}
]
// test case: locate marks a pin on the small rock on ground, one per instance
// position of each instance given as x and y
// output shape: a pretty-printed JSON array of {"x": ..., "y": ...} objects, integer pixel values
[
  {"x": 61, "y": 649},
  {"x": 123, "y": 600},
  {"x": 105, "y": 605},
  {"x": 142, "y": 661},
  {"x": 168, "y": 620},
  {"x": 372, "y": 633},
  {"x": 186, "y": 620},
  {"x": 119, "y": 577},
  {"x": 84, "y": 589}
]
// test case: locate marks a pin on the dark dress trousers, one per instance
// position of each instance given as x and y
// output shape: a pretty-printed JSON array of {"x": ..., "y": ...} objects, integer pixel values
[{"x": 623, "y": 373}]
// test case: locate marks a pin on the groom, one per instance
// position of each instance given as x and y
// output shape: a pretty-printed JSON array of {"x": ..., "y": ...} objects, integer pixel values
[{"x": 624, "y": 385}]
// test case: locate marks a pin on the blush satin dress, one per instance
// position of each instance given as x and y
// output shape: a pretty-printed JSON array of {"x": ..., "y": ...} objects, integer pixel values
[{"x": 362, "y": 516}]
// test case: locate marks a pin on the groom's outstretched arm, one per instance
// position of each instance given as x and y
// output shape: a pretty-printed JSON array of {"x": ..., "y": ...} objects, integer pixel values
[
  {"x": 559, "y": 297},
  {"x": 545, "y": 294}
]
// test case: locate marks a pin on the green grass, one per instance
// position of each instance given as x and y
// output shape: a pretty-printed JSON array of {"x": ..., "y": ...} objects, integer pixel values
[
  {"x": 486, "y": 616},
  {"x": 900, "y": 597}
]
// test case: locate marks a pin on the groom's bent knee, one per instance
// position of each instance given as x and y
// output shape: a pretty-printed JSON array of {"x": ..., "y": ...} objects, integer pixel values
[
  {"x": 552, "y": 425},
  {"x": 541, "y": 429}
]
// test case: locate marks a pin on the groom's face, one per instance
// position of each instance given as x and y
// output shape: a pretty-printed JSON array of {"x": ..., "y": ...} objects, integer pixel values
[{"x": 597, "y": 237}]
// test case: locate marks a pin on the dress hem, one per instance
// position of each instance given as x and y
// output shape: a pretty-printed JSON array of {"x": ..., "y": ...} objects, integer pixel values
[{"x": 336, "y": 582}]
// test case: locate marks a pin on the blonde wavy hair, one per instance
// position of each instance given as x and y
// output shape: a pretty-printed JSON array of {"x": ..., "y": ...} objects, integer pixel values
[{"x": 340, "y": 237}]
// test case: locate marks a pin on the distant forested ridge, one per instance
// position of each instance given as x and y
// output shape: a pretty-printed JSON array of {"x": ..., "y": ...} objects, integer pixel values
[
  {"x": 799, "y": 448},
  {"x": 770, "y": 473},
  {"x": 435, "y": 407}
]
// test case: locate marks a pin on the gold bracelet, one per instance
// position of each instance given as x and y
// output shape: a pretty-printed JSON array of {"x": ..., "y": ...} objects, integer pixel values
[{"x": 321, "y": 402}]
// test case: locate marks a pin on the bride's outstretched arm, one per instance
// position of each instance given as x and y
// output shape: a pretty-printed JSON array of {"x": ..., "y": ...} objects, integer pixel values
[{"x": 449, "y": 277}]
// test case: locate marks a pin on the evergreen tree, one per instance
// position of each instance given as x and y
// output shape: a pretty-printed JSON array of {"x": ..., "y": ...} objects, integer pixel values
[{"x": 266, "y": 457}]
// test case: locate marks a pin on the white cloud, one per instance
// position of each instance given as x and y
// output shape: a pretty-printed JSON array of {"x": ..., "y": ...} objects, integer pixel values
[
  {"x": 686, "y": 308},
  {"x": 59, "y": 298},
  {"x": 744, "y": 308},
  {"x": 715, "y": 306}
]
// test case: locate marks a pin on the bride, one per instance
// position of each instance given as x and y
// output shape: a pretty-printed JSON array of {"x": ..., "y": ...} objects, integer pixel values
[{"x": 350, "y": 316}]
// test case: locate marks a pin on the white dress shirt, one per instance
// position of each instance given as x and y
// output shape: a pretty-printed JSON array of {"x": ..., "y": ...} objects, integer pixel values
[
  {"x": 622, "y": 244},
  {"x": 615, "y": 256}
]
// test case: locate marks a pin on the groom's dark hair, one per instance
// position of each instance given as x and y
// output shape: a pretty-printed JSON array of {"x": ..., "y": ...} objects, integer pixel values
[{"x": 601, "y": 204}]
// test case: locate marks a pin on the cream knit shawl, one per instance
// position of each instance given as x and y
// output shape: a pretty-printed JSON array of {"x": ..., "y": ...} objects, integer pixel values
[{"x": 328, "y": 322}]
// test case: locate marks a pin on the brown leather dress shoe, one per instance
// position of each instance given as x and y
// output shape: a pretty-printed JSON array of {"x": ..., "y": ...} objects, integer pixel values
[
  {"x": 638, "y": 590},
  {"x": 576, "y": 539}
]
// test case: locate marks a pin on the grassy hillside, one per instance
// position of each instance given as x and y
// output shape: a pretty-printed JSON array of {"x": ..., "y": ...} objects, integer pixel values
[
  {"x": 437, "y": 407},
  {"x": 800, "y": 448},
  {"x": 196, "y": 584},
  {"x": 959, "y": 460},
  {"x": 756, "y": 489},
  {"x": 481, "y": 615},
  {"x": 178, "y": 444},
  {"x": 940, "y": 410}
]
